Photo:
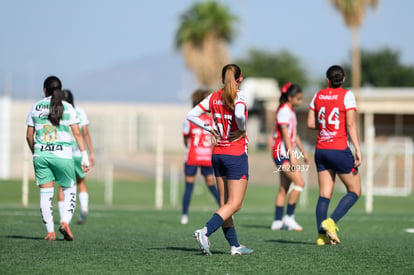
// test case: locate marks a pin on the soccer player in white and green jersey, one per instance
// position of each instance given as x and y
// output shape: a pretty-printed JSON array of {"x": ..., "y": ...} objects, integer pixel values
[
  {"x": 49, "y": 124},
  {"x": 77, "y": 157}
]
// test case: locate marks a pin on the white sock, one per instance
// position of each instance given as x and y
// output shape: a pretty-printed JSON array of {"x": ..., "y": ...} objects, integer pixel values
[
  {"x": 83, "y": 201},
  {"x": 46, "y": 208},
  {"x": 69, "y": 203},
  {"x": 60, "y": 207}
]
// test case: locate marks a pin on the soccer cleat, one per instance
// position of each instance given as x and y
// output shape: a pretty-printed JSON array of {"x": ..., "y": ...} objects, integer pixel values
[
  {"x": 330, "y": 227},
  {"x": 82, "y": 217},
  {"x": 50, "y": 236},
  {"x": 322, "y": 239},
  {"x": 277, "y": 225},
  {"x": 65, "y": 230},
  {"x": 202, "y": 241},
  {"x": 241, "y": 250},
  {"x": 184, "y": 219},
  {"x": 290, "y": 223}
]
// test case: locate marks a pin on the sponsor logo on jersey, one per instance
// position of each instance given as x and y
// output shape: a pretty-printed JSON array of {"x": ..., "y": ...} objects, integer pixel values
[
  {"x": 44, "y": 114},
  {"x": 42, "y": 106},
  {"x": 218, "y": 102},
  {"x": 328, "y": 97},
  {"x": 326, "y": 136},
  {"x": 51, "y": 148}
]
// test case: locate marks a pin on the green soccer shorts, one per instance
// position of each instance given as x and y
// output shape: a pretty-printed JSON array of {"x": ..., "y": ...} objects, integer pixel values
[{"x": 53, "y": 168}]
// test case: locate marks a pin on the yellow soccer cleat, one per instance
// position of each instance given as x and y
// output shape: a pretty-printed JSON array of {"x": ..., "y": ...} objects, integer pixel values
[
  {"x": 322, "y": 239},
  {"x": 330, "y": 227}
]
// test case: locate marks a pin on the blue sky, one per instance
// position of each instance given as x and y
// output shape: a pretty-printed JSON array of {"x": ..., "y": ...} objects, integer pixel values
[{"x": 75, "y": 38}]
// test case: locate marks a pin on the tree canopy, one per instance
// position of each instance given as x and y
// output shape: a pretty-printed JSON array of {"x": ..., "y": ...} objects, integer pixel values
[
  {"x": 201, "y": 19},
  {"x": 203, "y": 35},
  {"x": 282, "y": 66},
  {"x": 383, "y": 68}
]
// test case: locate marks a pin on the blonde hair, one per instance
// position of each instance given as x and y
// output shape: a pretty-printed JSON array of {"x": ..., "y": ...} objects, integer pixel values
[{"x": 231, "y": 73}]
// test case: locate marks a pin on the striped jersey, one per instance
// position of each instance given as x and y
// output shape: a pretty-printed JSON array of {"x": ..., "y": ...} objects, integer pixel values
[
  {"x": 330, "y": 106},
  {"x": 225, "y": 123},
  {"x": 49, "y": 138},
  {"x": 199, "y": 150},
  {"x": 285, "y": 115}
]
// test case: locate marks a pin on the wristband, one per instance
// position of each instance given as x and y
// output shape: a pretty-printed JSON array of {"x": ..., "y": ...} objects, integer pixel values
[{"x": 85, "y": 159}]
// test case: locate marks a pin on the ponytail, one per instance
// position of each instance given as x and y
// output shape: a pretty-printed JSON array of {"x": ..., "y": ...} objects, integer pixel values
[
  {"x": 56, "y": 107},
  {"x": 231, "y": 75},
  {"x": 53, "y": 87}
]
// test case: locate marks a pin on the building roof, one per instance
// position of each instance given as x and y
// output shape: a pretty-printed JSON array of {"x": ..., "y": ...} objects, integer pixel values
[{"x": 386, "y": 100}]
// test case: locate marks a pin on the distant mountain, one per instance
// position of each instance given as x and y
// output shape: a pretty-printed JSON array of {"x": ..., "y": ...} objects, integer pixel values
[
  {"x": 158, "y": 78},
  {"x": 162, "y": 78}
]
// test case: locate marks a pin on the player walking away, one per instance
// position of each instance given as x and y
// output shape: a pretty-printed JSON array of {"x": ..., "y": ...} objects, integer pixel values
[
  {"x": 230, "y": 161},
  {"x": 199, "y": 152},
  {"x": 334, "y": 110},
  {"x": 49, "y": 125},
  {"x": 286, "y": 143},
  {"x": 77, "y": 157}
]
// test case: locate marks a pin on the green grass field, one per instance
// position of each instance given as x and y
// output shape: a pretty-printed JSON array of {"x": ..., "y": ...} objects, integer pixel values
[{"x": 132, "y": 238}]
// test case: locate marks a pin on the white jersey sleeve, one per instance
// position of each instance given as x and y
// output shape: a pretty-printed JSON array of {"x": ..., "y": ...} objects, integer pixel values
[
  {"x": 349, "y": 101},
  {"x": 186, "y": 127},
  {"x": 201, "y": 108},
  {"x": 82, "y": 117},
  {"x": 205, "y": 104},
  {"x": 73, "y": 115},
  {"x": 240, "y": 110},
  {"x": 312, "y": 103},
  {"x": 29, "y": 118},
  {"x": 283, "y": 116}
]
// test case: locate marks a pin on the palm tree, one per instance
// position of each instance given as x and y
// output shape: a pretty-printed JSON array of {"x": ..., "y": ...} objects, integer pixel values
[
  {"x": 203, "y": 36},
  {"x": 353, "y": 12}
]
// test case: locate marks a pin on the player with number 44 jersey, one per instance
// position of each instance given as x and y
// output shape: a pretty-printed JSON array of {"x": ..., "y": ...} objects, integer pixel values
[
  {"x": 330, "y": 106},
  {"x": 332, "y": 112}
]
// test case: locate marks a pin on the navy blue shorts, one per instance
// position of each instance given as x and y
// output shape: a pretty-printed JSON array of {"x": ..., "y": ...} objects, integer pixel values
[
  {"x": 339, "y": 161},
  {"x": 231, "y": 167},
  {"x": 191, "y": 170},
  {"x": 281, "y": 161}
]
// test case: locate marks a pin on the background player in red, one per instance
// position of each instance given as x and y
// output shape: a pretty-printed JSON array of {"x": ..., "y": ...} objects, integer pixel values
[
  {"x": 199, "y": 151},
  {"x": 230, "y": 163},
  {"x": 287, "y": 151},
  {"x": 333, "y": 110}
]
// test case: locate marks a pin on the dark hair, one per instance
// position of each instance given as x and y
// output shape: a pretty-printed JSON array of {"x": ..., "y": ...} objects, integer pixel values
[
  {"x": 198, "y": 96},
  {"x": 288, "y": 90},
  {"x": 68, "y": 97},
  {"x": 230, "y": 74},
  {"x": 53, "y": 87},
  {"x": 335, "y": 75}
]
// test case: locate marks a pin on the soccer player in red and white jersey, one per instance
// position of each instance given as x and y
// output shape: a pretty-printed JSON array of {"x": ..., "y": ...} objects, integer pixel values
[
  {"x": 230, "y": 163},
  {"x": 333, "y": 111},
  {"x": 287, "y": 150},
  {"x": 199, "y": 152}
]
